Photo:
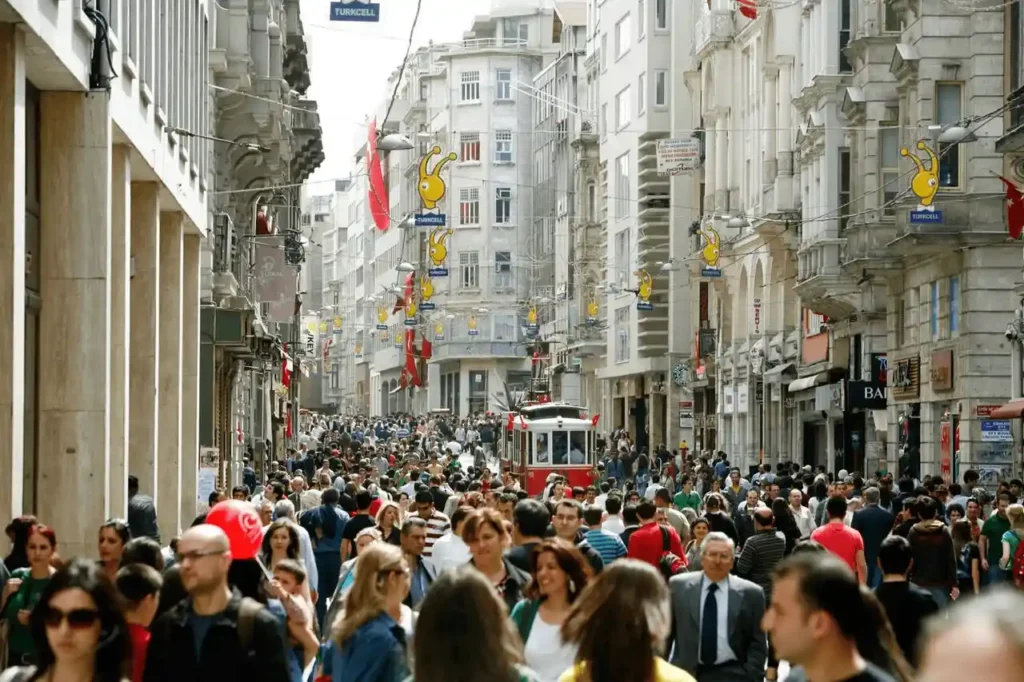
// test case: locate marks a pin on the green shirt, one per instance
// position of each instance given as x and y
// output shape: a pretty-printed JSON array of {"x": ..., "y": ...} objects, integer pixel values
[
  {"x": 25, "y": 598},
  {"x": 993, "y": 530},
  {"x": 689, "y": 500},
  {"x": 1013, "y": 540}
]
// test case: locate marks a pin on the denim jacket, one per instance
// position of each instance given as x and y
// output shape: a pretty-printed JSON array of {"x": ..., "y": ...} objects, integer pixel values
[{"x": 375, "y": 653}]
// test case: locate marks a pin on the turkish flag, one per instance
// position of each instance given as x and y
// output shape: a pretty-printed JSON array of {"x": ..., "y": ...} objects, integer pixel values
[
  {"x": 1014, "y": 209},
  {"x": 377, "y": 198},
  {"x": 401, "y": 302},
  {"x": 410, "y": 358},
  {"x": 286, "y": 369},
  {"x": 748, "y": 8}
]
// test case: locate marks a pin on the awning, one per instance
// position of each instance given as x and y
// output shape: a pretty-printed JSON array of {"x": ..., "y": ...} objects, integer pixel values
[
  {"x": 807, "y": 382},
  {"x": 775, "y": 374},
  {"x": 1011, "y": 410}
]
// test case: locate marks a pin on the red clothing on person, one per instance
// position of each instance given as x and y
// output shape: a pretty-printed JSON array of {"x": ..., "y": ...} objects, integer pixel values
[
  {"x": 140, "y": 642},
  {"x": 647, "y": 544},
  {"x": 375, "y": 506},
  {"x": 841, "y": 540}
]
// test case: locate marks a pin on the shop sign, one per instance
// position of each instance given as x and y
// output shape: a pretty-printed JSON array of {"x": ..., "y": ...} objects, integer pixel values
[
  {"x": 906, "y": 378},
  {"x": 942, "y": 370},
  {"x": 866, "y": 395},
  {"x": 880, "y": 368},
  {"x": 996, "y": 431},
  {"x": 985, "y": 410},
  {"x": 757, "y": 317}
]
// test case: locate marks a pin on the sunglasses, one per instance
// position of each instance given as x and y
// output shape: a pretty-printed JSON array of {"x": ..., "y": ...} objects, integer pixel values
[{"x": 77, "y": 618}]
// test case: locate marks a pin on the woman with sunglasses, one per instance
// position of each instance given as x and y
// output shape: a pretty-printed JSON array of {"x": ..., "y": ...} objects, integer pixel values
[
  {"x": 114, "y": 535},
  {"x": 24, "y": 590},
  {"x": 78, "y": 630}
]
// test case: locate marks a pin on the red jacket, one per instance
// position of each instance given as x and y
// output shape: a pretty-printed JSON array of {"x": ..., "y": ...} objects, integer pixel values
[{"x": 646, "y": 543}]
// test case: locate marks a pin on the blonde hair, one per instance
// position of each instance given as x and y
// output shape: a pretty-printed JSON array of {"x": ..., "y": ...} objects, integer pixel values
[
  {"x": 367, "y": 597},
  {"x": 1015, "y": 514},
  {"x": 379, "y": 519}
]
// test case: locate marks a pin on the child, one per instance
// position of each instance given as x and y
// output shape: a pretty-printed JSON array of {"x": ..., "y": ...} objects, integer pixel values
[
  {"x": 289, "y": 585},
  {"x": 139, "y": 584}
]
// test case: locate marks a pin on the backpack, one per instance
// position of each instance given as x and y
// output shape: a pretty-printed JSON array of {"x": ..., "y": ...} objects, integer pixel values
[
  {"x": 1017, "y": 567},
  {"x": 669, "y": 564}
]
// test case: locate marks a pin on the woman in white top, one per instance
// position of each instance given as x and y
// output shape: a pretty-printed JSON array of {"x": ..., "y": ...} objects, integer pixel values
[{"x": 559, "y": 574}]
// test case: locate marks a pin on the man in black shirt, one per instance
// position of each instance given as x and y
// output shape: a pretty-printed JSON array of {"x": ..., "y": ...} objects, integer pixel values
[
  {"x": 530, "y": 525},
  {"x": 360, "y": 520},
  {"x": 906, "y": 604}
]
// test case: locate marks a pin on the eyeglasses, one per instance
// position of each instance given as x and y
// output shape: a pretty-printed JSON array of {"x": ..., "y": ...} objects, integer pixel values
[
  {"x": 77, "y": 619},
  {"x": 198, "y": 554}
]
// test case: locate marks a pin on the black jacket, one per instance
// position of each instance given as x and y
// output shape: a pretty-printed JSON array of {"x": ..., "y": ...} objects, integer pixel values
[
  {"x": 171, "y": 655},
  {"x": 515, "y": 582},
  {"x": 907, "y": 606},
  {"x": 142, "y": 517}
]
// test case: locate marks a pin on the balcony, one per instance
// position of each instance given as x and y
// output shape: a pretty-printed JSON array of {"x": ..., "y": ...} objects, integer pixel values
[
  {"x": 475, "y": 350},
  {"x": 867, "y": 247},
  {"x": 296, "y": 59},
  {"x": 308, "y": 139},
  {"x": 821, "y": 284},
  {"x": 977, "y": 222},
  {"x": 486, "y": 45},
  {"x": 714, "y": 29},
  {"x": 1013, "y": 140}
]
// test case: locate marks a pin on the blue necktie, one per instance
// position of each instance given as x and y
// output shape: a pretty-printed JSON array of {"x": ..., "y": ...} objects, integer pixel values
[{"x": 709, "y": 628}]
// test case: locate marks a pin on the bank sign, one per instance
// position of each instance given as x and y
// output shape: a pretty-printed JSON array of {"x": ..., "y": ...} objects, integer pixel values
[
  {"x": 355, "y": 11},
  {"x": 866, "y": 395}
]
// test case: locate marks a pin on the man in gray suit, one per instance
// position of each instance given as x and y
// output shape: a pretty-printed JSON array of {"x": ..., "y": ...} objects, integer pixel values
[{"x": 716, "y": 619}]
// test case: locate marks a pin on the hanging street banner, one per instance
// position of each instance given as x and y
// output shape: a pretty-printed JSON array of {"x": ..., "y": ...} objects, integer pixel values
[
  {"x": 924, "y": 185},
  {"x": 353, "y": 10},
  {"x": 678, "y": 155},
  {"x": 711, "y": 251}
]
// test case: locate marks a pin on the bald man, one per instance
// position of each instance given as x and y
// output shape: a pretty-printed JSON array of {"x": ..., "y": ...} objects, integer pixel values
[{"x": 214, "y": 635}]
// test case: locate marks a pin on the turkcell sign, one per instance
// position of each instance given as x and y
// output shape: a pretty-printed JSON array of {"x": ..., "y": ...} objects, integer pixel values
[
  {"x": 430, "y": 220},
  {"x": 355, "y": 11},
  {"x": 926, "y": 217}
]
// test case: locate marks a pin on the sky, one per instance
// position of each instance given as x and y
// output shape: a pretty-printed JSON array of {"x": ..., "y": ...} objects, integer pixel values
[{"x": 351, "y": 61}]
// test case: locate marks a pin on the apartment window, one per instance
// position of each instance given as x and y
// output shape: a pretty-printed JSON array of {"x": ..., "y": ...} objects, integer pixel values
[
  {"x": 502, "y": 146},
  {"x": 933, "y": 309},
  {"x": 503, "y": 82},
  {"x": 470, "y": 90},
  {"x": 623, "y": 108},
  {"x": 359, "y": 277},
  {"x": 592, "y": 201},
  {"x": 604, "y": 51},
  {"x": 900, "y": 324},
  {"x": 845, "y": 22},
  {"x": 503, "y": 206},
  {"x": 661, "y": 88},
  {"x": 641, "y": 94},
  {"x": 948, "y": 111},
  {"x": 515, "y": 31},
  {"x": 622, "y": 257},
  {"x": 889, "y": 161},
  {"x": 641, "y": 19},
  {"x": 623, "y": 36},
  {"x": 503, "y": 270},
  {"x": 469, "y": 270},
  {"x": 845, "y": 188},
  {"x": 424, "y": 88},
  {"x": 661, "y": 15},
  {"x": 469, "y": 146},
  {"x": 622, "y": 186},
  {"x": 469, "y": 206},
  {"x": 622, "y": 334},
  {"x": 954, "y": 305},
  {"x": 891, "y": 21},
  {"x": 604, "y": 119}
]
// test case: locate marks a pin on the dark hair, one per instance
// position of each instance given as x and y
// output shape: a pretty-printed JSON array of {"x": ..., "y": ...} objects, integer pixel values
[
  {"x": 135, "y": 582},
  {"x": 214, "y": 497},
  {"x": 646, "y": 510},
  {"x": 956, "y": 507},
  {"x": 483, "y": 517},
  {"x": 459, "y": 515},
  {"x": 244, "y": 489},
  {"x": 294, "y": 548},
  {"x": 531, "y": 518},
  {"x": 613, "y": 504},
  {"x": 629, "y": 515},
  {"x": 294, "y": 567},
  {"x": 895, "y": 555},
  {"x": 508, "y": 498},
  {"x": 808, "y": 547},
  {"x": 836, "y": 507},
  {"x": 144, "y": 550},
  {"x": 569, "y": 559},
  {"x": 593, "y": 515},
  {"x": 172, "y": 592},
  {"x": 328, "y": 517},
  {"x": 826, "y": 583},
  {"x": 119, "y": 526},
  {"x": 424, "y": 497},
  {"x": 113, "y": 653},
  {"x": 363, "y": 500},
  {"x": 662, "y": 494},
  {"x": 927, "y": 508}
]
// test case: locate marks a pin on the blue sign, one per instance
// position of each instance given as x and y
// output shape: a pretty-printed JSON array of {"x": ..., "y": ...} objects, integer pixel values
[
  {"x": 996, "y": 431},
  {"x": 431, "y": 220},
  {"x": 474, "y": 332},
  {"x": 438, "y": 272},
  {"x": 382, "y": 327},
  {"x": 926, "y": 217},
  {"x": 710, "y": 272},
  {"x": 355, "y": 11},
  {"x": 410, "y": 322},
  {"x": 644, "y": 305},
  {"x": 427, "y": 305}
]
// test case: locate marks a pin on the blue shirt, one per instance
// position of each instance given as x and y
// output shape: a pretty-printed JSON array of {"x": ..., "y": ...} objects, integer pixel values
[
  {"x": 374, "y": 653},
  {"x": 608, "y": 545},
  {"x": 330, "y": 543}
]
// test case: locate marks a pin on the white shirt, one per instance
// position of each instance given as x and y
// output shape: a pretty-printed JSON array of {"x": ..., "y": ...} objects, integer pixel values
[
  {"x": 724, "y": 651},
  {"x": 450, "y": 552},
  {"x": 600, "y": 500},
  {"x": 652, "y": 490},
  {"x": 614, "y": 524},
  {"x": 804, "y": 520},
  {"x": 546, "y": 654}
]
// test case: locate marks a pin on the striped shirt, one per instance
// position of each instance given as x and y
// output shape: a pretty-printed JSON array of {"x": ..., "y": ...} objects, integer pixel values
[
  {"x": 438, "y": 525},
  {"x": 761, "y": 553},
  {"x": 607, "y": 544}
]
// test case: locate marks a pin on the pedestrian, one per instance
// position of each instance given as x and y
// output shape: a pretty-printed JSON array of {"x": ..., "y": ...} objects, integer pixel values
[
  {"x": 23, "y": 592},
  {"x": 906, "y": 605},
  {"x": 114, "y": 535},
  {"x": 606, "y": 543},
  {"x": 691, "y": 552},
  {"x": 653, "y": 541},
  {"x": 139, "y": 587},
  {"x": 631, "y": 595},
  {"x": 485, "y": 534},
  {"x": 717, "y": 618},
  {"x": 77, "y": 630},
  {"x": 529, "y": 528},
  {"x": 874, "y": 524},
  {"x": 328, "y": 523},
  {"x": 421, "y": 569},
  {"x": 841, "y": 540},
  {"x": 451, "y": 551},
  {"x": 991, "y": 541},
  {"x": 141, "y": 512},
  {"x": 718, "y": 519},
  {"x": 347, "y": 578},
  {"x": 934, "y": 566},
  {"x": 214, "y": 635}
]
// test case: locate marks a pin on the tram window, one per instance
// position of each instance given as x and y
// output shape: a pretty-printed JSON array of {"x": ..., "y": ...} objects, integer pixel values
[
  {"x": 560, "y": 448},
  {"x": 577, "y": 447},
  {"x": 543, "y": 453}
]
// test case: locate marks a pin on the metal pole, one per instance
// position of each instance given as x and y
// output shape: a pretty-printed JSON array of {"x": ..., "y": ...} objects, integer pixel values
[{"x": 1015, "y": 356}]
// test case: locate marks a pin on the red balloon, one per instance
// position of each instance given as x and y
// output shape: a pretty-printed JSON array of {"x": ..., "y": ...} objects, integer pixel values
[{"x": 242, "y": 525}]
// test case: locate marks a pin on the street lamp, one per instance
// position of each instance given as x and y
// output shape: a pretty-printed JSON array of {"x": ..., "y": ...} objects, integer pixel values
[
  {"x": 393, "y": 142},
  {"x": 405, "y": 266},
  {"x": 957, "y": 134}
]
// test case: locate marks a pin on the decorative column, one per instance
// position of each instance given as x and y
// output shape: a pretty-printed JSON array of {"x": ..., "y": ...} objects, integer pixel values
[
  {"x": 190, "y": 376},
  {"x": 12, "y": 264},
  {"x": 168, "y": 490},
  {"x": 74, "y": 319},
  {"x": 722, "y": 161},
  {"x": 710, "y": 163},
  {"x": 771, "y": 106},
  {"x": 120, "y": 322},
  {"x": 785, "y": 198},
  {"x": 144, "y": 343}
]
